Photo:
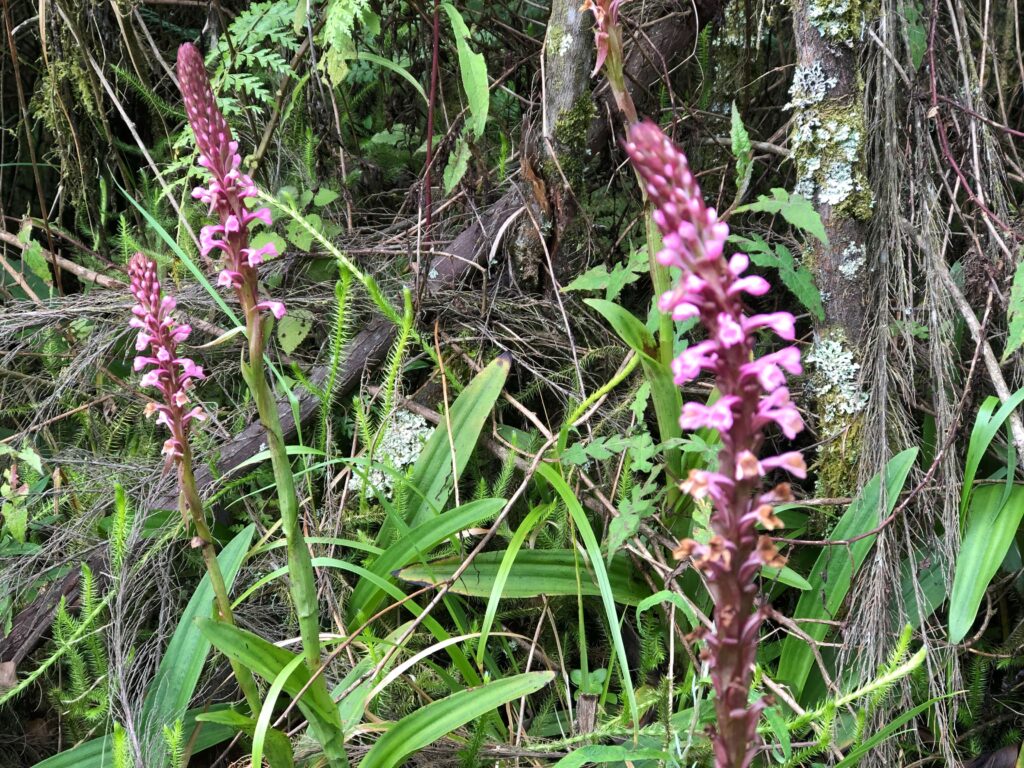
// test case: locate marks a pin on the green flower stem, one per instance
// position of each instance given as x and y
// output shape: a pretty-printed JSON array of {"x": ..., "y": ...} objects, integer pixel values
[
  {"x": 192, "y": 505},
  {"x": 301, "y": 577}
]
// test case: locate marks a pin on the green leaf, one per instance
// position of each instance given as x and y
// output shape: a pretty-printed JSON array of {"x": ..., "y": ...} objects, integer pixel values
[
  {"x": 741, "y": 149},
  {"x": 99, "y": 753},
  {"x": 325, "y": 196},
  {"x": 612, "y": 283},
  {"x": 626, "y": 325},
  {"x": 508, "y": 559},
  {"x": 593, "y": 549},
  {"x": 833, "y": 572},
  {"x": 268, "y": 661},
  {"x": 797, "y": 210},
  {"x": 598, "y": 754},
  {"x": 299, "y": 234},
  {"x": 416, "y": 544},
  {"x": 293, "y": 328},
  {"x": 171, "y": 690},
  {"x": 473, "y": 69},
  {"x": 457, "y": 165},
  {"x": 398, "y": 70},
  {"x": 993, "y": 520},
  {"x": 432, "y": 474},
  {"x": 436, "y": 720},
  {"x": 533, "y": 573},
  {"x": 1015, "y": 313},
  {"x": 277, "y": 744},
  {"x": 797, "y": 279}
]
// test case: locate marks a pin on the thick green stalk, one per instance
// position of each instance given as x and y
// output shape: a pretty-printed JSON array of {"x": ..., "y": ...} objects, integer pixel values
[
  {"x": 192, "y": 504},
  {"x": 301, "y": 577}
]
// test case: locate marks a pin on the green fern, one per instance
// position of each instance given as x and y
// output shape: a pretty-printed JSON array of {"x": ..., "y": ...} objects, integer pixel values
[
  {"x": 174, "y": 739},
  {"x": 120, "y": 755}
]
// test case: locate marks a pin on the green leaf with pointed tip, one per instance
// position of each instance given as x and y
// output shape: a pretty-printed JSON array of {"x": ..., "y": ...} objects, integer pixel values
[
  {"x": 268, "y": 660},
  {"x": 440, "y": 718},
  {"x": 533, "y": 573},
  {"x": 416, "y": 544},
  {"x": 833, "y": 571},
  {"x": 473, "y": 69}
]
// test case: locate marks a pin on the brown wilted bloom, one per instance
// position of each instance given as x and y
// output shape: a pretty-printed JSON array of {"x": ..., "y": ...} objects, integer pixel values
[
  {"x": 766, "y": 517},
  {"x": 769, "y": 554},
  {"x": 685, "y": 549}
]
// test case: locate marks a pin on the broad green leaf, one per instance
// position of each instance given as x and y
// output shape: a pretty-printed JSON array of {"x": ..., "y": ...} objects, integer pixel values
[
  {"x": 440, "y": 718},
  {"x": 268, "y": 660},
  {"x": 833, "y": 572},
  {"x": 993, "y": 520},
  {"x": 416, "y": 545},
  {"x": 473, "y": 70},
  {"x": 533, "y": 573},
  {"x": 171, "y": 690},
  {"x": 293, "y": 328},
  {"x": 278, "y": 745},
  {"x": 508, "y": 559},
  {"x": 625, "y": 324},
  {"x": 1015, "y": 313},
  {"x": 986, "y": 426}
]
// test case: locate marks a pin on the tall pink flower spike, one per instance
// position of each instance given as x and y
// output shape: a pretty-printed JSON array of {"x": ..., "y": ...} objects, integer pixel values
[
  {"x": 228, "y": 187},
  {"x": 159, "y": 335},
  {"x": 753, "y": 396}
]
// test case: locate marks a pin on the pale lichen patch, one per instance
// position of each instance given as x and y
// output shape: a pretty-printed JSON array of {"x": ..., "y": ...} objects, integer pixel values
[
  {"x": 398, "y": 449},
  {"x": 840, "y": 22},
  {"x": 810, "y": 86},
  {"x": 835, "y": 380},
  {"x": 852, "y": 260}
]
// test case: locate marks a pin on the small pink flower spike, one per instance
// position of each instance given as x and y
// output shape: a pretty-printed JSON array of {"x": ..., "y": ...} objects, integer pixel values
[
  {"x": 228, "y": 188},
  {"x": 159, "y": 334},
  {"x": 752, "y": 398}
]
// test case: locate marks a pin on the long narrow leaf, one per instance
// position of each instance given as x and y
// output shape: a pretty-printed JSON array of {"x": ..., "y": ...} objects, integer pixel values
[
  {"x": 833, "y": 571},
  {"x": 439, "y": 718}
]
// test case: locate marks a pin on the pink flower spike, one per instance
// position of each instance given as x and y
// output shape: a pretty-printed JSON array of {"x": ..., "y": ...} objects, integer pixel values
[
  {"x": 793, "y": 462},
  {"x": 730, "y": 333},
  {"x": 780, "y": 322},
  {"x": 738, "y": 264},
  {"x": 752, "y": 284},
  {"x": 693, "y": 360},
  {"x": 254, "y": 256},
  {"x": 276, "y": 308},
  {"x": 718, "y": 416}
]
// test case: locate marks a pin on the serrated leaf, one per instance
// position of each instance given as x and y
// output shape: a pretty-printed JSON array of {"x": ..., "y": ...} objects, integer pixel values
[
  {"x": 473, "y": 70},
  {"x": 293, "y": 328},
  {"x": 795, "y": 209},
  {"x": 741, "y": 149},
  {"x": 612, "y": 283},
  {"x": 262, "y": 238},
  {"x": 457, "y": 165},
  {"x": 300, "y": 236},
  {"x": 1015, "y": 313}
]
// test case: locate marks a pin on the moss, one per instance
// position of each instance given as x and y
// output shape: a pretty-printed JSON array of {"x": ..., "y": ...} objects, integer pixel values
[{"x": 571, "y": 128}]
